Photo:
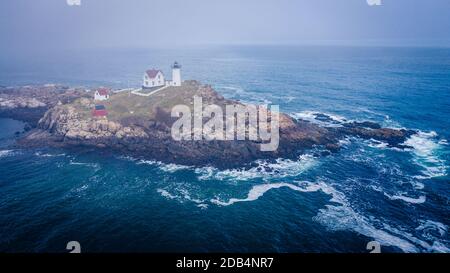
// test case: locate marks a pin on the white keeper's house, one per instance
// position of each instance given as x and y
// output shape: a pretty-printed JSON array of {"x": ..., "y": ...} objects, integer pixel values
[
  {"x": 101, "y": 94},
  {"x": 155, "y": 77}
]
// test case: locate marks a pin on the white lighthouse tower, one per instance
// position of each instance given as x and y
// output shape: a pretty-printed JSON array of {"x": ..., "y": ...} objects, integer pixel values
[{"x": 176, "y": 74}]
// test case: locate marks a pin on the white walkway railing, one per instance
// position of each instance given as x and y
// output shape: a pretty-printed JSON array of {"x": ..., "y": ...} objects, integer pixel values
[{"x": 138, "y": 91}]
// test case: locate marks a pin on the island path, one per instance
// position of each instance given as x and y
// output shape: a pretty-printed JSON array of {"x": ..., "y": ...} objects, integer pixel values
[{"x": 138, "y": 91}]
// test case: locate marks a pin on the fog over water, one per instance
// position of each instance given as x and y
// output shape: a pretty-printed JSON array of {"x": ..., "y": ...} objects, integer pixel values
[{"x": 29, "y": 26}]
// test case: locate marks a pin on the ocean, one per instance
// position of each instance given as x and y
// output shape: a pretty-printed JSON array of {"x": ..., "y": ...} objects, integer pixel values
[{"x": 337, "y": 203}]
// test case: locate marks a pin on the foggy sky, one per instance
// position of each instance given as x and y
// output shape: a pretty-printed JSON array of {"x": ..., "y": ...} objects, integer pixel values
[{"x": 38, "y": 24}]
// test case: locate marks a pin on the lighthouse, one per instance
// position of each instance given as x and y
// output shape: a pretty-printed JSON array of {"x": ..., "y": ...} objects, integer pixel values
[{"x": 176, "y": 74}]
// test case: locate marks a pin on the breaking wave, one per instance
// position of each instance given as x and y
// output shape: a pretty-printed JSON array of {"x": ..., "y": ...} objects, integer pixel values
[
  {"x": 279, "y": 169},
  {"x": 181, "y": 195},
  {"x": 41, "y": 154},
  {"x": 245, "y": 96},
  {"x": 166, "y": 194},
  {"x": 377, "y": 144},
  {"x": 171, "y": 168},
  {"x": 5, "y": 153},
  {"x": 166, "y": 167},
  {"x": 95, "y": 166},
  {"x": 426, "y": 149},
  {"x": 323, "y": 119}
]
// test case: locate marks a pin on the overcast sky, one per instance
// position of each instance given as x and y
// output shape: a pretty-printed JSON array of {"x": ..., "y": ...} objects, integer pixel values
[{"x": 35, "y": 24}]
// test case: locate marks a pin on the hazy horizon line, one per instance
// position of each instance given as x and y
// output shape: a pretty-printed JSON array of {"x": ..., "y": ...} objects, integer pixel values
[{"x": 321, "y": 43}]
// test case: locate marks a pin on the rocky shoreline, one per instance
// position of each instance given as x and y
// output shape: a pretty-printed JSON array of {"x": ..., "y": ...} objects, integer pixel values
[
  {"x": 57, "y": 117},
  {"x": 29, "y": 103}
]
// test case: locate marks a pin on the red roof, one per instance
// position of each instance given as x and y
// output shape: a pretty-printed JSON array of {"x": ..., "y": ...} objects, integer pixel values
[
  {"x": 99, "y": 113},
  {"x": 103, "y": 91},
  {"x": 151, "y": 73}
]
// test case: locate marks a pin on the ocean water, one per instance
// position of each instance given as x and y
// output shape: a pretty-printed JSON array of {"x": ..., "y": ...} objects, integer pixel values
[{"x": 337, "y": 203}]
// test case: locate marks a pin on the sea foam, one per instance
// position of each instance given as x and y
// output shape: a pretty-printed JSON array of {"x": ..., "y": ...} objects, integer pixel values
[
  {"x": 426, "y": 150},
  {"x": 419, "y": 200},
  {"x": 259, "y": 190},
  {"x": 313, "y": 117},
  {"x": 280, "y": 168},
  {"x": 5, "y": 153},
  {"x": 343, "y": 217}
]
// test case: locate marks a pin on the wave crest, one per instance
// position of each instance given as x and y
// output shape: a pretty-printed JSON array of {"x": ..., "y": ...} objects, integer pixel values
[{"x": 281, "y": 168}]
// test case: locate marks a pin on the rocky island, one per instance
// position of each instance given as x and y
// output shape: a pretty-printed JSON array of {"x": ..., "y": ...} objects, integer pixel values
[{"x": 140, "y": 126}]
